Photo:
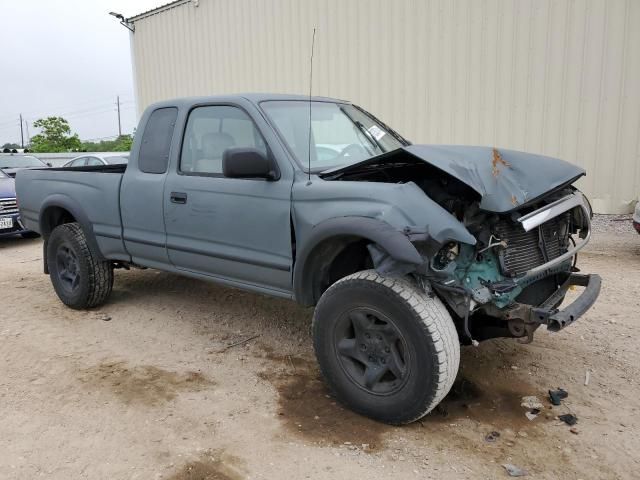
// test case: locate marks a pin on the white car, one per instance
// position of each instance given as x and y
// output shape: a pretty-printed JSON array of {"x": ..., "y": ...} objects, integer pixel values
[{"x": 96, "y": 160}]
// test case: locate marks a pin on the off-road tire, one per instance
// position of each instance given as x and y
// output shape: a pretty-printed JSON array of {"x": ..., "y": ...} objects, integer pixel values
[
  {"x": 95, "y": 276},
  {"x": 424, "y": 324}
]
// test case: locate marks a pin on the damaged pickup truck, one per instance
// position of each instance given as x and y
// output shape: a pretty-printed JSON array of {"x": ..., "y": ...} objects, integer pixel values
[{"x": 406, "y": 251}]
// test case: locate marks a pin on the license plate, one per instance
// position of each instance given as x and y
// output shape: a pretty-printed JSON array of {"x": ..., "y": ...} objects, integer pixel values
[{"x": 6, "y": 223}]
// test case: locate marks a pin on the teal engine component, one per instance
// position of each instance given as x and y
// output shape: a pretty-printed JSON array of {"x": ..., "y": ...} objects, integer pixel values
[{"x": 475, "y": 271}]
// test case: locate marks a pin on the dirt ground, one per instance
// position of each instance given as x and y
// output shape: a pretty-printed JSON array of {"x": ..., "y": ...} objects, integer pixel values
[{"x": 156, "y": 384}]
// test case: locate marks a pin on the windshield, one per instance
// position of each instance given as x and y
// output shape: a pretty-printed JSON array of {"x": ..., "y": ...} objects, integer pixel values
[
  {"x": 21, "y": 161},
  {"x": 341, "y": 134},
  {"x": 116, "y": 160}
]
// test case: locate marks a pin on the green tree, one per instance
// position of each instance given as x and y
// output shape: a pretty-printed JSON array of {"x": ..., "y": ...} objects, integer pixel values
[
  {"x": 55, "y": 136},
  {"x": 119, "y": 144}
]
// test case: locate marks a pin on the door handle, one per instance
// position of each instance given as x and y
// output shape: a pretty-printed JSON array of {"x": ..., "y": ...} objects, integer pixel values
[{"x": 178, "y": 197}]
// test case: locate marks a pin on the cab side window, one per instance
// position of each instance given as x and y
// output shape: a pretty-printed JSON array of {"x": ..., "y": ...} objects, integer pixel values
[{"x": 210, "y": 131}]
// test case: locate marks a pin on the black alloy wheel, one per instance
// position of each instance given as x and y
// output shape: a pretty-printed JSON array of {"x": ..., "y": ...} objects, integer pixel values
[{"x": 372, "y": 350}]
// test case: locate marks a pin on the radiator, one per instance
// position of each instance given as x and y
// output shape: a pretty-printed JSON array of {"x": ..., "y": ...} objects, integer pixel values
[{"x": 526, "y": 250}]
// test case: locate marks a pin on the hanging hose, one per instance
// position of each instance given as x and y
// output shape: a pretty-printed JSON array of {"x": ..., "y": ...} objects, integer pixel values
[{"x": 467, "y": 297}]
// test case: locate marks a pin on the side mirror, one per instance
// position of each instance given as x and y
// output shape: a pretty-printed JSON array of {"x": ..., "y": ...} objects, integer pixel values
[
  {"x": 49, "y": 164},
  {"x": 247, "y": 163}
]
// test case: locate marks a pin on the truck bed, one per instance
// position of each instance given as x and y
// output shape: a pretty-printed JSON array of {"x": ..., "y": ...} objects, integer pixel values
[{"x": 90, "y": 194}]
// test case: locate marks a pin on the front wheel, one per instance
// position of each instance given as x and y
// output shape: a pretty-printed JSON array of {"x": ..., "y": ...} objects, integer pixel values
[
  {"x": 78, "y": 277},
  {"x": 387, "y": 349}
]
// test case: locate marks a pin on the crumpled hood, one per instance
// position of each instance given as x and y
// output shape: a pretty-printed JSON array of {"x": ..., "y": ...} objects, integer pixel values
[
  {"x": 7, "y": 188},
  {"x": 505, "y": 179}
]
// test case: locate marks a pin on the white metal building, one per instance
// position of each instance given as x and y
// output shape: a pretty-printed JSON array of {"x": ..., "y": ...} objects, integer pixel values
[{"x": 557, "y": 77}]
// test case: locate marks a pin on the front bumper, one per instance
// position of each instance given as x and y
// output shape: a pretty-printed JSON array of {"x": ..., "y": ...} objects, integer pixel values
[
  {"x": 555, "y": 319},
  {"x": 17, "y": 228}
]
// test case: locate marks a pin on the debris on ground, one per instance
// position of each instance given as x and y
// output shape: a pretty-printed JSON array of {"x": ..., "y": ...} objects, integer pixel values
[
  {"x": 492, "y": 436},
  {"x": 105, "y": 318},
  {"x": 532, "y": 414},
  {"x": 532, "y": 403},
  {"x": 574, "y": 430},
  {"x": 235, "y": 344},
  {"x": 558, "y": 395},
  {"x": 587, "y": 376},
  {"x": 568, "y": 418},
  {"x": 514, "y": 471}
]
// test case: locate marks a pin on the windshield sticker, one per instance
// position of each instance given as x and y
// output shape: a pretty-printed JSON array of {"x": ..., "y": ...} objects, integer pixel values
[{"x": 376, "y": 132}]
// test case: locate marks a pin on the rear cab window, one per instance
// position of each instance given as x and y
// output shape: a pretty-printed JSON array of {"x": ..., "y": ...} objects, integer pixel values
[{"x": 156, "y": 140}]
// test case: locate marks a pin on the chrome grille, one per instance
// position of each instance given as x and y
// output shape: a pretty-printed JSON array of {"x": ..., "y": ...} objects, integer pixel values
[
  {"x": 8, "y": 206},
  {"x": 526, "y": 250}
]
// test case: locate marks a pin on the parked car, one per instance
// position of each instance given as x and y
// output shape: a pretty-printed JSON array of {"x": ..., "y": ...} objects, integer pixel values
[
  {"x": 97, "y": 160},
  {"x": 405, "y": 250},
  {"x": 10, "y": 223},
  {"x": 11, "y": 163},
  {"x": 636, "y": 218}
]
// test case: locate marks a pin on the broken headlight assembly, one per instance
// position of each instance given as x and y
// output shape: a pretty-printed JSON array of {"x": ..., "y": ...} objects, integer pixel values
[{"x": 445, "y": 256}]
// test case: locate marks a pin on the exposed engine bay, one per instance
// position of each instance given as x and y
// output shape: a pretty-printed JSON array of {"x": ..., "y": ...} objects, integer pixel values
[{"x": 524, "y": 259}]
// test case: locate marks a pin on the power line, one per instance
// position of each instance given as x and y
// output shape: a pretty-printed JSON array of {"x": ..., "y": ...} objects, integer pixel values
[
  {"x": 11, "y": 127},
  {"x": 78, "y": 113},
  {"x": 83, "y": 105}
]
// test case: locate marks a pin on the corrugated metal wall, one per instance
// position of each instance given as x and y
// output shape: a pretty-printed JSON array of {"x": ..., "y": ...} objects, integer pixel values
[{"x": 557, "y": 77}]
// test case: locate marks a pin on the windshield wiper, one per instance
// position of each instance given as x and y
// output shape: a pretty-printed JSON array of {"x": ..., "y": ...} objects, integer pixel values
[
  {"x": 368, "y": 135},
  {"x": 386, "y": 127}
]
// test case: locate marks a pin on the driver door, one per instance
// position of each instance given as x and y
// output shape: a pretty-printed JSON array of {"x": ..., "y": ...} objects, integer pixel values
[{"x": 233, "y": 229}]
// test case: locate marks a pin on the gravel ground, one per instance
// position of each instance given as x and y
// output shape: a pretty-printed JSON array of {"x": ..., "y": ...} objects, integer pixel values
[
  {"x": 180, "y": 379},
  {"x": 612, "y": 224}
]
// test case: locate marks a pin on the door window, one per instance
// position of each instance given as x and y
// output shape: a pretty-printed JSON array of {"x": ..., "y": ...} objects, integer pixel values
[
  {"x": 93, "y": 162},
  {"x": 156, "y": 140},
  {"x": 79, "y": 162},
  {"x": 210, "y": 131}
]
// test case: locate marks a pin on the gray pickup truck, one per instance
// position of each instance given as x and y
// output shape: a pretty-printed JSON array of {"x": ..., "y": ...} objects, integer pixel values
[{"x": 406, "y": 251}]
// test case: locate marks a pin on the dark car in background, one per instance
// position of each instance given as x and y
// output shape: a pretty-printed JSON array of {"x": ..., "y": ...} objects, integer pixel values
[
  {"x": 11, "y": 163},
  {"x": 10, "y": 223}
]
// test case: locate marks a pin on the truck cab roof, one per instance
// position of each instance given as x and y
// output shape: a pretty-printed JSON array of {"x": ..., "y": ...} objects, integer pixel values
[{"x": 254, "y": 98}]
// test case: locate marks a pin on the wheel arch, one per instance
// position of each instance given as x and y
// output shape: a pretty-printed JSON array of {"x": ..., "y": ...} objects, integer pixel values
[
  {"x": 333, "y": 242},
  {"x": 59, "y": 209}
]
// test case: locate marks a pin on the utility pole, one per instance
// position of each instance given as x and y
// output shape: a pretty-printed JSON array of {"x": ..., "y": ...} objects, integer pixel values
[
  {"x": 21, "y": 133},
  {"x": 119, "y": 126}
]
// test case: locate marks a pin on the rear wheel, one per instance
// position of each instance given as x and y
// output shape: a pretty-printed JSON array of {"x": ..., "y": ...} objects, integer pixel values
[
  {"x": 79, "y": 279},
  {"x": 387, "y": 350}
]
